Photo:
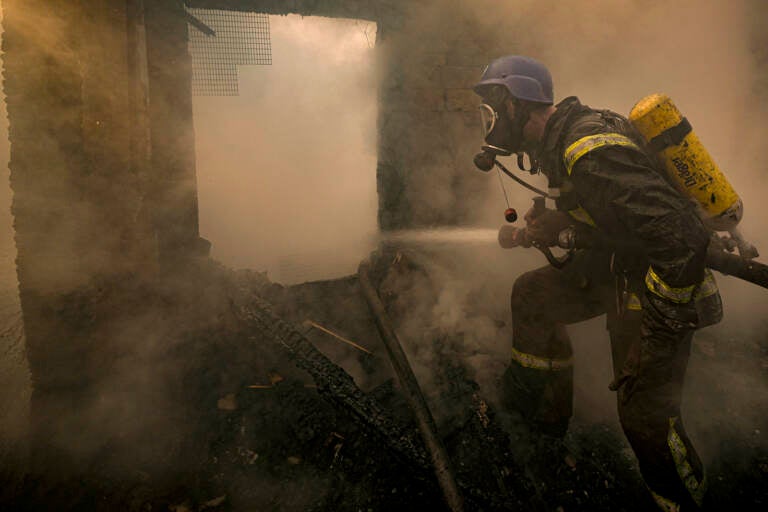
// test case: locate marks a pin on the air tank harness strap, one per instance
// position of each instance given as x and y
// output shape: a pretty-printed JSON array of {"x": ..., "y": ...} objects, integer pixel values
[
  {"x": 592, "y": 142},
  {"x": 671, "y": 136}
]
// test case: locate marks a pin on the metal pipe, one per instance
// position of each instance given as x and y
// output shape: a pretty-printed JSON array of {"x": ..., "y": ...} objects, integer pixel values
[{"x": 412, "y": 392}]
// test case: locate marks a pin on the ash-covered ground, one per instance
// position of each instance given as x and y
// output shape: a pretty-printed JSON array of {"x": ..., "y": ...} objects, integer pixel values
[{"x": 242, "y": 427}]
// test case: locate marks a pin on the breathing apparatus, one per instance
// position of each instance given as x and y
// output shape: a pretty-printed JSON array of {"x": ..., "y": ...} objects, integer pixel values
[
  {"x": 690, "y": 168},
  {"x": 503, "y": 136}
]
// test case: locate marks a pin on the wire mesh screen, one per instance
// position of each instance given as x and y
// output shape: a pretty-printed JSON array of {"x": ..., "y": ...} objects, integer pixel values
[{"x": 219, "y": 42}]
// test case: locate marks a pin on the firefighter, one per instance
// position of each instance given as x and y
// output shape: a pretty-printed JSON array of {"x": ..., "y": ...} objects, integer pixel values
[{"x": 654, "y": 296}]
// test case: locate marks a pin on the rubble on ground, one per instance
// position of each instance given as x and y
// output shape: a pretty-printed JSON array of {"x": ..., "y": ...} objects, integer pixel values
[{"x": 290, "y": 404}]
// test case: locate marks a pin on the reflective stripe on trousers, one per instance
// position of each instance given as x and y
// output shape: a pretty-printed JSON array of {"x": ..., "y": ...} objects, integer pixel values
[
  {"x": 695, "y": 488},
  {"x": 540, "y": 363}
]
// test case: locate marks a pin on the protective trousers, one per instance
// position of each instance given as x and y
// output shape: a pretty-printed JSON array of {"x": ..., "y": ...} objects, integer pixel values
[{"x": 649, "y": 369}]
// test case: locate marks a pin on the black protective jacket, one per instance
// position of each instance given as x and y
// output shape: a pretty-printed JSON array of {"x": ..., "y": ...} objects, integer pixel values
[{"x": 609, "y": 180}]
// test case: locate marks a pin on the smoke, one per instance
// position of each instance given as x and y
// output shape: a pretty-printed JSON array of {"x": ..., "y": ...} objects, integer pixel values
[
  {"x": 286, "y": 177},
  {"x": 99, "y": 345},
  {"x": 268, "y": 196},
  {"x": 612, "y": 53},
  {"x": 609, "y": 54},
  {"x": 287, "y": 183},
  {"x": 287, "y": 170},
  {"x": 283, "y": 171}
]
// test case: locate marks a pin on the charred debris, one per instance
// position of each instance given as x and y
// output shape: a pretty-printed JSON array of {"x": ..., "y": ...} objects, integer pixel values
[{"x": 268, "y": 416}]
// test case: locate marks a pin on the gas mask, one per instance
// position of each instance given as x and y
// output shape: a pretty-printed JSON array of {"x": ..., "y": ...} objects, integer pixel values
[{"x": 504, "y": 136}]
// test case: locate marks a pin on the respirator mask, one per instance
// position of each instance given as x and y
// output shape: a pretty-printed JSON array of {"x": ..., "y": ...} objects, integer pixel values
[{"x": 503, "y": 136}]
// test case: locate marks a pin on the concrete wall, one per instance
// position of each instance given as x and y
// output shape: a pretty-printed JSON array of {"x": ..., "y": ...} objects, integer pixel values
[
  {"x": 428, "y": 117},
  {"x": 91, "y": 221}
]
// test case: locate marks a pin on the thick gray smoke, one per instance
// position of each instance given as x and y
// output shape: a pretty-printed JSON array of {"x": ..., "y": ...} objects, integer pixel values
[
  {"x": 611, "y": 54},
  {"x": 287, "y": 170}
]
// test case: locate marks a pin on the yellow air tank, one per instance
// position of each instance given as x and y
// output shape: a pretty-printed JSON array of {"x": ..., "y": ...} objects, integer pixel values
[{"x": 687, "y": 161}]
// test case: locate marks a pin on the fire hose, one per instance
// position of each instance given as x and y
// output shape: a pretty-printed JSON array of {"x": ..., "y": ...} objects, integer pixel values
[{"x": 571, "y": 239}]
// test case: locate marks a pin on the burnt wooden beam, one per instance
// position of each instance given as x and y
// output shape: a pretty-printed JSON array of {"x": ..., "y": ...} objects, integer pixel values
[
  {"x": 413, "y": 394},
  {"x": 255, "y": 314}
]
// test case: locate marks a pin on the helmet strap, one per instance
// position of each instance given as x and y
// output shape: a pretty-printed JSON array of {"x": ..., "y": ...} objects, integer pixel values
[{"x": 523, "y": 111}]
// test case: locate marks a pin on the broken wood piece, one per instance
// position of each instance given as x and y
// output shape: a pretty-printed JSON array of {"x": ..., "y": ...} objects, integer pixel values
[
  {"x": 441, "y": 464},
  {"x": 337, "y": 336}
]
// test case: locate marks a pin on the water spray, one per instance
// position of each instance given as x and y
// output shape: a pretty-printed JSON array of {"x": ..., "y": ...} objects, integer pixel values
[{"x": 442, "y": 236}]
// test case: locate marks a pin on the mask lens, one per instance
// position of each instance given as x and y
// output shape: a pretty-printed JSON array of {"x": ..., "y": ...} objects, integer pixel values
[
  {"x": 496, "y": 96},
  {"x": 488, "y": 118}
]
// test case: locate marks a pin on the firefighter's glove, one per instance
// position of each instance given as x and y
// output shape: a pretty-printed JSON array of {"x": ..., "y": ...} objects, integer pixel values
[
  {"x": 664, "y": 313},
  {"x": 545, "y": 226}
]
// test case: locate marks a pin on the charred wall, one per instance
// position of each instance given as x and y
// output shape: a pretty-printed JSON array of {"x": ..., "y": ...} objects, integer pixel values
[{"x": 91, "y": 219}]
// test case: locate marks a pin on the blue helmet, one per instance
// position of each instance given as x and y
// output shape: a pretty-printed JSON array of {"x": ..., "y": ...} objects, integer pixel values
[{"x": 525, "y": 79}]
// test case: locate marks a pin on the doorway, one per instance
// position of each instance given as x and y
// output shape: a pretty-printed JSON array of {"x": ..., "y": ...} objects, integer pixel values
[{"x": 287, "y": 170}]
